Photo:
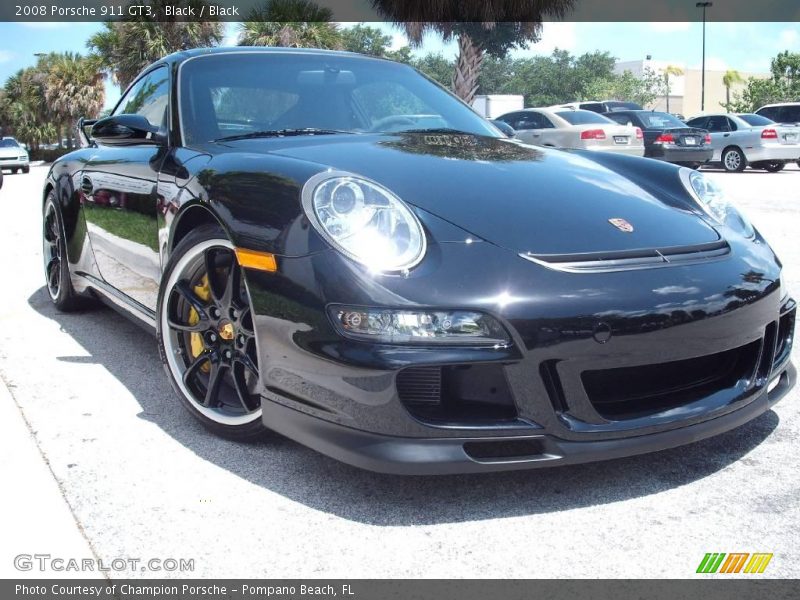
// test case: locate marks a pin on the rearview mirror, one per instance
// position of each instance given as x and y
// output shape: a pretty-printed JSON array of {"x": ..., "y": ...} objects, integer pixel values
[{"x": 125, "y": 130}]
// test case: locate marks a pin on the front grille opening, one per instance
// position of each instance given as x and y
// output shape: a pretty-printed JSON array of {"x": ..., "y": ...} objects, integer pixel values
[
  {"x": 785, "y": 337},
  {"x": 504, "y": 449},
  {"x": 632, "y": 392},
  {"x": 457, "y": 393}
]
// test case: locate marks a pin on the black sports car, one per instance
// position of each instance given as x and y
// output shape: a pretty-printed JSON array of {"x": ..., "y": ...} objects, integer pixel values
[{"x": 335, "y": 248}]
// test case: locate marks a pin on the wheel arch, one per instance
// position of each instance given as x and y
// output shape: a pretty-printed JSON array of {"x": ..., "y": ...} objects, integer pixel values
[{"x": 190, "y": 217}]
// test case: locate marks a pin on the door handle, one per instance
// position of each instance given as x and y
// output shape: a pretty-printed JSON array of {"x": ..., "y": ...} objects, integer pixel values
[
  {"x": 87, "y": 187},
  {"x": 726, "y": 135}
]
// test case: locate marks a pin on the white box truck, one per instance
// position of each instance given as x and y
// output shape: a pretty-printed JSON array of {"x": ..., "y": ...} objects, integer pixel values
[{"x": 494, "y": 105}]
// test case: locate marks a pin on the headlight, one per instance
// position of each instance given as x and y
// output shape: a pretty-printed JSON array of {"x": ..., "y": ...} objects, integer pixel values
[
  {"x": 712, "y": 200},
  {"x": 364, "y": 221},
  {"x": 391, "y": 326}
]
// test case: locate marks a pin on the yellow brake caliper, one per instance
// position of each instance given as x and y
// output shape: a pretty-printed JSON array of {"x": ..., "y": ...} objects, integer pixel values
[{"x": 197, "y": 346}]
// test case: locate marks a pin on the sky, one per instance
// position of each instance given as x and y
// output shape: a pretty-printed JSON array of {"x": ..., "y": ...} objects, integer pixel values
[{"x": 746, "y": 47}]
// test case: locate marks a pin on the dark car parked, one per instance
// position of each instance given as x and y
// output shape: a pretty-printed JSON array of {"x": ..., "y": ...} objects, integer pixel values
[
  {"x": 333, "y": 247},
  {"x": 668, "y": 139}
]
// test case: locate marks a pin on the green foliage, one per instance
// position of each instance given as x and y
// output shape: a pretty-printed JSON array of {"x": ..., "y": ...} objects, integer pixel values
[
  {"x": 366, "y": 40},
  {"x": 291, "y": 24},
  {"x": 125, "y": 47},
  {"x": 782, "y": 86}
]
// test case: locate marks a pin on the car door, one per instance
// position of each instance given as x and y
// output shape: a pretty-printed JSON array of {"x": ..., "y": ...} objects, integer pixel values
[
  {"x": 719, "y": 128},
  {"x": 528, "y": 127},
  {"x": 120, "y": 197}
]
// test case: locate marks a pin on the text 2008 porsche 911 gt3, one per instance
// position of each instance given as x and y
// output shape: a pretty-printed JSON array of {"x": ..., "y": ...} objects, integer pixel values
[{"x": 335, "y": 248}]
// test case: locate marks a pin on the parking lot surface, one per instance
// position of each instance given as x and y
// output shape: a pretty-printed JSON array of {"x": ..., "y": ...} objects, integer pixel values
[{"x": 143, "y": 480}]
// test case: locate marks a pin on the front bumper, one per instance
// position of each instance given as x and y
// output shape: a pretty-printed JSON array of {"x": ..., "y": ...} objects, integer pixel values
[
  {"x": 342, "y": 396},
  {"x": 13, "y": 163},
  {"x": 441, "y": 456}
]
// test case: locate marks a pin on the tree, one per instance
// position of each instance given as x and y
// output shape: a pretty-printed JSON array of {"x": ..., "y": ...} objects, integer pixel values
[
  {"x": 627, "y": 87},
  {"x": 24, "y": 106},
  {"x": 668, "y": 71},
  {"x": 782, "y": 86},
  {"x": 366, "y": 40},
  {"x": 73, "y": 88},
  {"x": 481, "y": 28},
  {"x": 125, "y": 47},
  {"x": 291, "y": 24},
  {"x": 730, "y": 78}
]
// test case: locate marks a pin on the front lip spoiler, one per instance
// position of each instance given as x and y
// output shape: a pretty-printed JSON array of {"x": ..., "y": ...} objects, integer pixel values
[{"x": 440, "y": 456}]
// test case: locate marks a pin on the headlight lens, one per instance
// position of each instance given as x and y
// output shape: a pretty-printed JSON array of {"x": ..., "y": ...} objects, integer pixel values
[
  {"x": 713, "y": 201},
  {"x": 419, "y": 327},
  {"x": 364, "y": 221}
]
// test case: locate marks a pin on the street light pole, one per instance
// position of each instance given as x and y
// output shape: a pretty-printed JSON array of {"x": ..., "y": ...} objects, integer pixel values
[{"x": 704, "y": 6}]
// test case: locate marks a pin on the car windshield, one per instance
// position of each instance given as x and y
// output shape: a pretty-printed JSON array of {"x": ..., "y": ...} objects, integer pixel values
[
  {"x": 583, "y": 117},
  {"x": 9, "y": 144},
  {"x": 755, "y": 120},
  {"x": 268, "y": 94},
  {"x": 660, "y": 120}
]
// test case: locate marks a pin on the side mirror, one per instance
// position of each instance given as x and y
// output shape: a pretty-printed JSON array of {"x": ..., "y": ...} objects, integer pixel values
[
  {"x": 504, "y": 127},
  {"x": 84, "y": 132},
  {"x": 125, "y": 130}
]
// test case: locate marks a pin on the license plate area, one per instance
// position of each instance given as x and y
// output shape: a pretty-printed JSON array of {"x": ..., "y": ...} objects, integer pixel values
[
  {"x": 690, "y": 141},
  {"x": 620, "y": 139},
  {"x": 790, "y": 138}
]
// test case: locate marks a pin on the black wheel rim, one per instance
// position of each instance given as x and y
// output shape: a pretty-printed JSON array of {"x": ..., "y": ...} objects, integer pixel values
[
  {"x": 211, "y": 334},
  {"x": 52, "y": 250}
]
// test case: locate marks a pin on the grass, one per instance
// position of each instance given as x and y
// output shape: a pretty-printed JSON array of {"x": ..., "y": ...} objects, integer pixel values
[{"x": 126, "y": 224}]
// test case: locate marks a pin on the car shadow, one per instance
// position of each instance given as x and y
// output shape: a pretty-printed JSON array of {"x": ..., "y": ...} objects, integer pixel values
[{"x": 302, "y": 475}]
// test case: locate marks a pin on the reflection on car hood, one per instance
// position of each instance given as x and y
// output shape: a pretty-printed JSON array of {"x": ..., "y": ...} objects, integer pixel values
[{"x": 520, "y": 197}]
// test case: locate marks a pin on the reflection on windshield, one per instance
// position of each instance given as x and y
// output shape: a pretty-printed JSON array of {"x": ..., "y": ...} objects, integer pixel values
[{"x": 262, "y": 93}]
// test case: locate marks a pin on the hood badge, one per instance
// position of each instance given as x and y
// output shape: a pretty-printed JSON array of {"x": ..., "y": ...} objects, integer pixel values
[{"x": 621, "y": 224}]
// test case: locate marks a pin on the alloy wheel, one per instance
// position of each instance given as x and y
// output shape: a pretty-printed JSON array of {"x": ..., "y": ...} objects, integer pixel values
[
  {"x": 733, "y": 160},
  {"x": 51, "y": 249},
  {"x": 208, "y": 334}
]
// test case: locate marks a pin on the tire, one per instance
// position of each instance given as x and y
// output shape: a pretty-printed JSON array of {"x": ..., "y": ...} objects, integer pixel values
[
  {"x": 733, "y": 160},
  {"x": 26, "y": 169},
  {"x": 774, "y": 166},
  {"x": 14, "y": 171},
  {"x": 206, "y": 336},
  {"x": 54, "y": 253}
]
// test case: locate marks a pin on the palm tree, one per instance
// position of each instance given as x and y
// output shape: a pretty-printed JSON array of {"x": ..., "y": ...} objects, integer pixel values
[
  {"x": 126, "y": 47},
  {"x": 74, "y": 88},
  {"x": 480, "y": 27},
  {"x": 731, "y": 77},
  {"x": 668, "y": 71},
  {"x": 291, "y": 24}
]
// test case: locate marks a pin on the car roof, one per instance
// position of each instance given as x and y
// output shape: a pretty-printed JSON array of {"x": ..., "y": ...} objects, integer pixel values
[
  {"x": 184, "y": 55},
  {"x": 780, "y": 104}
]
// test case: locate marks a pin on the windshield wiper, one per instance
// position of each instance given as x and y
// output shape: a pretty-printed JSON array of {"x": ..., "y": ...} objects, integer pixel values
[
  {"x": 434, "y": 130},
  {"x": 281, "y": 133}
]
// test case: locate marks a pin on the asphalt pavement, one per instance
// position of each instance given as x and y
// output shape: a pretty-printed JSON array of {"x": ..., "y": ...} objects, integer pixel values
[{"x": 101, "y": 462}]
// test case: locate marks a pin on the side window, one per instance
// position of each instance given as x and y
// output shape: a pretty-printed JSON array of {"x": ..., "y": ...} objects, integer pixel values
[
  {"x": 621, "y": 119},
  {"x": 790, "y": 114},
  {"x": 148, "y": 97},
  {"x": 769, "y": 113},
  {"x": 731, "y": 125},
  {"x": 510, "y": 119},
  {"x": 717, "y": 124},
  {"x": 700, "y": 123},
  {"x": 545, "y": 123},
  {"x": 528, "y": 121}
]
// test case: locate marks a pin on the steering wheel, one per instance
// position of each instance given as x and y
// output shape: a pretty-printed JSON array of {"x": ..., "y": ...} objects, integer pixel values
[{"x": 382, "y": 124}]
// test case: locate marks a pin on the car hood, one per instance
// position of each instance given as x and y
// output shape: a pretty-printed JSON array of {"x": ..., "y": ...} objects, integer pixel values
[
  {"x": 517, "y": 196},
  {"x": 11, "y": 152}
]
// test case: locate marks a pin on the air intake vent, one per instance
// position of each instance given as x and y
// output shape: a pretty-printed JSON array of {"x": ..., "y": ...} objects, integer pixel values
[{"x": 420, "y": 385}]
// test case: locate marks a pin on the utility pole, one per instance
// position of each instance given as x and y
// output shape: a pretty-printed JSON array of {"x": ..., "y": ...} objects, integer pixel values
[{"x": 704, "y": 6}]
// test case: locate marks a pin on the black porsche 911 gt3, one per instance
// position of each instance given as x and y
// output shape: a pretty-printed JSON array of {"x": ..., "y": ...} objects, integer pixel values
[{"x": 335, "y": 248}]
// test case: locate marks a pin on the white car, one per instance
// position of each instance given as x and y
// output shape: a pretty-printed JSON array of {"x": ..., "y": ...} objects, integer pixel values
[
  {"x": 746, "y": 140},
  {"x": 13, "y": 156},
  {"x": 560, "y": 127}
]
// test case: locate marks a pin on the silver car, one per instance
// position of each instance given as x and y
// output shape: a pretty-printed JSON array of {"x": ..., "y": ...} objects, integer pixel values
[
  {"x": 13, "y": 156},
  {"x": 738, "y": 143},
  {"x": 560, "y": 127}
]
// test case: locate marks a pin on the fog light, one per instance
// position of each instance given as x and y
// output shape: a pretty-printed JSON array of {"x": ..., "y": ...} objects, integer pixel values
[{"x": 419, "y": 327}]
